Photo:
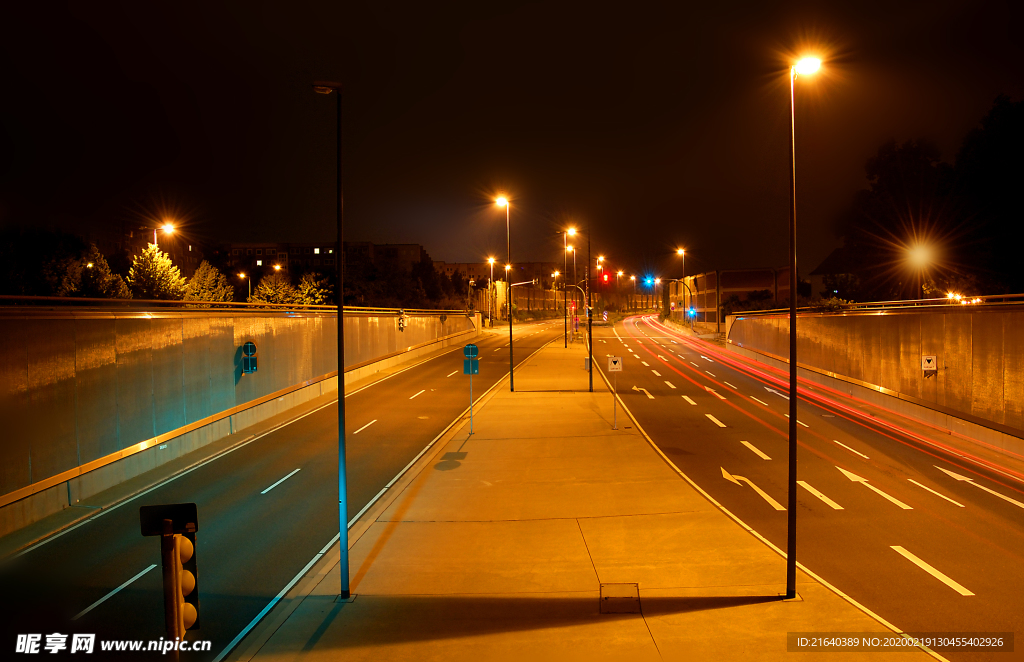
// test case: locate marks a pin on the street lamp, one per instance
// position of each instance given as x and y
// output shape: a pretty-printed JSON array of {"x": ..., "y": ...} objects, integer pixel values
[
  {"x": 328, "y": 87},
  {"x": 804, "y": 67},
  {"x": 277, "y": 267},
  {"x": 920, "y": 256},
  {"x": 633, "y": 278},
  {"x": 249, "y": 281},
  {"x": 167, "y": 227},
  {"x": 502, "y": 201},
  {"x": 490, "y": 299},
  {"x": 681, "y": 252}
]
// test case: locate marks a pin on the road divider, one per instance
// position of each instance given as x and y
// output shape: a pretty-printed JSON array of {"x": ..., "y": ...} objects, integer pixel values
[
  {"x": 851, "y": 450},
  {"x": 756, "y": 450},
  {"x": 864, "y": 481},
  {"x": 831, "y": 504},
  {"x": 943, "y": 496},
  {"x": 970, "y": 481},
  {"x": 931, "y": 571}
]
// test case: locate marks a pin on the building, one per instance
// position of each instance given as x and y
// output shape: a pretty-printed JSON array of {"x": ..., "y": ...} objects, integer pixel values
[
  {"x": 524, "y": 271},
  {"x": 301, "y": 257}
]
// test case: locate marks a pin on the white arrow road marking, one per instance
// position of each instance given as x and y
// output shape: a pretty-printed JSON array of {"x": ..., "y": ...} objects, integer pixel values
[
  {"x": 645, "y": 363},
  {"x": 864, "y": 481},
  {"x": 689, "y": 400},
  {"x": 451, "y": 373},
  {"x": 931, "y": 571},
  {"x": 280, "y": 481},
  {"x": 729, "y": 385},
  {"x": 716, "y": 421},
  {"x": 761, "y": 401},
  {"x": 830, "y": 502},
  {"x": 980, "y": 487},
  {"x": 799, "y": 422},
  {"x": 706, "y": 358},
  {"x": 670, "y": 384},
  {"x": 756, "y": 450},
  {"x": 781, "y": 395},
  {"x": 736, "y": 479},
  {"x": 711, "y": 390},
  {"x": 851, "y": 450},
  {"x": 935, "y": 493},
  {"x": 365, "y": 426},
  {"x": 656, "y": 373},
  {"x": 111, "y": 594},
  {"x": 413, "y": 396},
  {"x": 645, "y": 392}
]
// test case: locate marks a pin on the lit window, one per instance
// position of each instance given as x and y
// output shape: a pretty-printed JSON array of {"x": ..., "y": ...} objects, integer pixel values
[
  {"x": 317, "y": 251},
  {"x": 330, "y": 250},
  {"x": 259, "y": 263}
]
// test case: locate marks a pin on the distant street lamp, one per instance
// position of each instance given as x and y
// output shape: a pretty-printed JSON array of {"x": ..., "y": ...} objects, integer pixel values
[
  {"x": 920, "y": 256},
  {"x": 247, "y": 280},
  {"x": 633, "y": 278},
  {"x": 806, "y": 66},
  {"x": 502, "y": 201},
  {"x": 328, "y": 87},
  {"x": 490, "y": 299},
  {"x": 277, "y": 267},
  {"x": 681, "y": 252},
  {"x": 167, "y": 228}
]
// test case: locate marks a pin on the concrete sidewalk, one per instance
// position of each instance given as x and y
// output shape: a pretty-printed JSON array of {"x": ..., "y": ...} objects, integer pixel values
[{"x": 498, "y": 549}]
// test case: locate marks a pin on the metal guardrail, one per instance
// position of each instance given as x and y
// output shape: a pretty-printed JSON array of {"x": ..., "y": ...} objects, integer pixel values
[
  {"x": 38, "y": 302},
  {"x": 870, "y": 306}
]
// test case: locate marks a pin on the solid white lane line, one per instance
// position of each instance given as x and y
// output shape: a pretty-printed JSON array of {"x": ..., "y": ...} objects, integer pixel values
[
  {"x": 670, "y": 384},
  {"x": 689, "y": 400},
  {"x": 694, "y": 364},
  {"x": 365, "y": 426},
  {"x": 451, "y": 373},
  {"x": 936, "y": 493},
  {"x": 716, "y": 421},
  {"x": 761, "y": 401},
  {"x": 711, "y": 374},
  {"x": 764, "y": 495},
  {"x": 830, "y": 502},
  {"x": 756, "y": 450},
  {"x": 931, "y": 571},
  {"x": 413, "y": 396},
  {"x": 656, "y": 373},
  {"x": 280, "y": 481},
  {"x": 111, "y": 594},
  {"x": 851, "y": 450},
  {"x": 729, "y": 385}
]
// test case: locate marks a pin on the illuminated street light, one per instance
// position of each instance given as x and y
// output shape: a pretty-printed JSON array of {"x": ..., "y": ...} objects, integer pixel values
[
  {"x": 277, "y": 267},
  {"x": 502, "y": 201},
  {"x": 249, "y": 281},
  {"x": 490, "y": 299},
  {"x": 89, "y": 265},
  {"x": 803, "y": 67}
]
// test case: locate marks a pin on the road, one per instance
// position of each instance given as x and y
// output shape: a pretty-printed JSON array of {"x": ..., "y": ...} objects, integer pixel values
[
  {"x": 265, "y": 510},
  {"x": 927, "y": 539}
]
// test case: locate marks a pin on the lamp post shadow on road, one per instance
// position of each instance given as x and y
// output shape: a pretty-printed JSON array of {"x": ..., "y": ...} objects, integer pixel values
[{"x": 344, "y": 593}]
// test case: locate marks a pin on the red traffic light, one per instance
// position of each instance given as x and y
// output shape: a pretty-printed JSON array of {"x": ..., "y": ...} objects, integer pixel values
[{"x": 606, "y": 278}]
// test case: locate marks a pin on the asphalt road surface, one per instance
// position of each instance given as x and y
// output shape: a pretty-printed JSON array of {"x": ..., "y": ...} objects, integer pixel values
[
  {"x": 265, "y": 510},
  {"x": 930, "y": 540}
]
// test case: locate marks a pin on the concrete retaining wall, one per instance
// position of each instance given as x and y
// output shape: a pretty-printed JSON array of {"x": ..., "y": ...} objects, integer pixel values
[
  {"x": 91, "y": 398},
  {"x": 877, "y": 355}
]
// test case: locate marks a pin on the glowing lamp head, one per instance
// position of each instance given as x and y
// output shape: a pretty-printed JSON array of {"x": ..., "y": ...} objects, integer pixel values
[
  {"x": 680, "y": 251},
  {"x": 808, "y": 65},
  {"x": 502, "y": 201},
  {"x": 89, "y": 265},
  {"x": 572, "y": 232},
  {"x": 167, "y": 227},
  {"x": 241, "y": 275},
  {"x": 620, "y": 273},
  {"x": 632, "y": 277},
  {"x": 556, "y": 274},
  {"x": 920, "y": 255},
  {"x": 657, "y": 281},
  {"x": 277, "y": 267},
  {"x": 568, "y": 249},
  {"x": 508, "y": 267},
  {"x": 490, "y": 260}
]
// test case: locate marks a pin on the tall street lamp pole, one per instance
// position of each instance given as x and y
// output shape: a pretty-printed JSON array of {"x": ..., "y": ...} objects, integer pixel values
[
  {"x": 345, "y": 592},
  {"x": 682, "y": 253},
  {"x": 503, "y": 202},
  {"x": 490, "y": 284},
  {"x": 247, "y": 280},
  {"x": 804, "y": 66},
  {"x": 590, "y": 316}
]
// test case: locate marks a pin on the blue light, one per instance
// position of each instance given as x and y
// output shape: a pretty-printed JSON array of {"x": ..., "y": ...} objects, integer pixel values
[{"x": 692, "y": 312}]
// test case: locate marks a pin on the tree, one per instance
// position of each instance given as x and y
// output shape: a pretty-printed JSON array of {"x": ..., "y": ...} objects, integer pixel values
[
  {"x": 97, "y": 280},
  {"x": 208, "y": 284},
  {"x": 275, "y": 288},
  {"x": 313, "y": 290},
  {"x": 154, "y": 276}
]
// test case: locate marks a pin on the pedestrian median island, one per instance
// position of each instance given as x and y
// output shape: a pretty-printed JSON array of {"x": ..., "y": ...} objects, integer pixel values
[{"x": 547, "y": 534}]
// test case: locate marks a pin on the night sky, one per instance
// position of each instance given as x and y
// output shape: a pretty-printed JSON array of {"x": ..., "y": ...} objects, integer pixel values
[{"x": 658, "y": 124}]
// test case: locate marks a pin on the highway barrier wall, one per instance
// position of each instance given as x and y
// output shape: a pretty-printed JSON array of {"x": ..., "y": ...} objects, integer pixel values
[
  {"x": 90, "y": 398},
  {"x": 878, "y": 355}
]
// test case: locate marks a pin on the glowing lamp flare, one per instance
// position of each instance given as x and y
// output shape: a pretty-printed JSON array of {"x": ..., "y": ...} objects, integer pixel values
[
  {"x": 808, "y": 65},
  {"x": 502, "y": 201}
]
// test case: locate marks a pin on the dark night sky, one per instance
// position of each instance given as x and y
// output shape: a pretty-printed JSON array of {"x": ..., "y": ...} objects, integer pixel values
[{"x": 661, "y": 124}]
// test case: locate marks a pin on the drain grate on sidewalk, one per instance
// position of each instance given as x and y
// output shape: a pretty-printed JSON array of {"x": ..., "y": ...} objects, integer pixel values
[{"x": 620, "y": 598}]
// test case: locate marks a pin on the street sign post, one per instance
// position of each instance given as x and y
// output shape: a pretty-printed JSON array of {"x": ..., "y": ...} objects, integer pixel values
[
  {"x": 249, "y": 359},
  {"x": 471, "y": 366},
  {"x": 615, "y": 365}
]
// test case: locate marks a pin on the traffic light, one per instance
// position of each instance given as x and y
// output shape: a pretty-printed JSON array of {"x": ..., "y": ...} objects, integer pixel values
[
  {"x": 401, "y": 321},
  {"x": 176, "y": 524},
  {"x": 606, "y": 278}
]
